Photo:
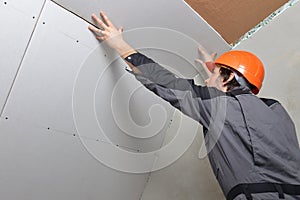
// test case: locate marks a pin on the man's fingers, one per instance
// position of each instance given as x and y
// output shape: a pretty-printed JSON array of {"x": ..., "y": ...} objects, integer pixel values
[
  {"x": 99, "y": 21},
  {"x": 121, "y": 29},
  {"x": 201, "y": 50},
  {"x": 204, "y": 68},
  {"x": 96, "y": 30},
  {"x": 206, "y": 56},
  {"x": 204, "y": 72},
  {"x": 199, "y": 61},
  {"x": 106, "y": 19},
  {"x": 214, "y": 55},
  {"x": 100, "y": 38}
]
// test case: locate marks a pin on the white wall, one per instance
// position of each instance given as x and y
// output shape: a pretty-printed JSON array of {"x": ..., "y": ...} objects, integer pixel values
[
  {"x": 18, "y": 20},
  {"x": 42, "y": 155},
  {"x": 68, "y": 129}
]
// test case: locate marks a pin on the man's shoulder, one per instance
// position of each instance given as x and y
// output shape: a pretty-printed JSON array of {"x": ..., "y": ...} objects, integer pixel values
[{"x": 269, "y": 102}]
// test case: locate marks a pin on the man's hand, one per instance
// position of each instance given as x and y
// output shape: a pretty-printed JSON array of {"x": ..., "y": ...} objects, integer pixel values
[
  {"x": 110, "y": 34},
  {"x": 108, "y": 31},
  {"x": 208, "y": 59}
]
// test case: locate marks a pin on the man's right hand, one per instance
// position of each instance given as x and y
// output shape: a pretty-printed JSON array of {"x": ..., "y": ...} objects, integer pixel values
[{"x": 109, "y": 33}]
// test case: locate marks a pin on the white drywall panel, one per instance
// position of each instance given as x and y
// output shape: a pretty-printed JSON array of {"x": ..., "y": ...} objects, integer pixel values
[
  {"x": 277, "y": 44},
  {"x": 43, "y": 89},
  {"x": 43, "y": 164},
  {"x": 122, "y": 104},
  {"x": 169, "y": 32},
  {"x": 42, "y": 94},
  {"x": 187, "y": 178},
  {"x": 61, "y": 48},
  {"x": 184, "y": 28},
  {"x": 17, "y": 22}
]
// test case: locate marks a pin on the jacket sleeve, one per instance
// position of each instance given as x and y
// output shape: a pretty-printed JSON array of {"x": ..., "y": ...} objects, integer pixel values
[{"x": 181, "y": 93}]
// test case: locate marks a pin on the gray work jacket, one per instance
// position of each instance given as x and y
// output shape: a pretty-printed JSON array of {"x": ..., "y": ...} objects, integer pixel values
[{"x": 248, "y": 139}]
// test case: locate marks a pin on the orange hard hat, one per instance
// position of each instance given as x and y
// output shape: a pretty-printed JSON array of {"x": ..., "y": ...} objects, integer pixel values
[{"x": 247, "y": 64}]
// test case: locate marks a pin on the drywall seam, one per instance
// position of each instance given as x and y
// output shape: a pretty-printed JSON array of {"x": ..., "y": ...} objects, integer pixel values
[
  {"x": 20, "y": 64},
  {"x": 61, "y": 132},
  {"x": 150, "y": 173},
  {"x": 145, "y": 186},
  {"x": 72, "y": 12},
  {"x": 264, "y": 22},
  {"x": 94, "y": 139},
  {"x": 57, "y": 131},
  {"x": 162, "y": 143}
]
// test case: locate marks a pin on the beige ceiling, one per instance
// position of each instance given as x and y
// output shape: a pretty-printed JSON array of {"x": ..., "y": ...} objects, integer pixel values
[{"x": 233, "y": 18}]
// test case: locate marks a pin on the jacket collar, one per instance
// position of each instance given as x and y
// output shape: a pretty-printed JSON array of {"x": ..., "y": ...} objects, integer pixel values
[{"x": 239, "y": 90}]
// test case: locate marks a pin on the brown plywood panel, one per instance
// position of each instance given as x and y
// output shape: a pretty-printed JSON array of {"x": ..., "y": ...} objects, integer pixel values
[{"x": 233, "y": 18}]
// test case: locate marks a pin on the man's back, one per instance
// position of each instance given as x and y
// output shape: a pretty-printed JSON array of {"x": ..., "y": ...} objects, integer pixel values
[{"x": 250, "y": 141}]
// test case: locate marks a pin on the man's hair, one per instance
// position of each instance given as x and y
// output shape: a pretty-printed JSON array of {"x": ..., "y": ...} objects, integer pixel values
[{"x": 225, "y": 74}]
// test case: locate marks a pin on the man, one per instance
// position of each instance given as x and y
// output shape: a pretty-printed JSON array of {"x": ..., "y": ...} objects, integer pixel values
[{"x": 252, "y": 146}]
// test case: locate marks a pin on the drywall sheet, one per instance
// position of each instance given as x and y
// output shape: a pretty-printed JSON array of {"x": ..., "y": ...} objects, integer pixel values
[
  {"x": 189, "y": 177},
  {"x": 41, "y": 93},
  {"x": 181, "y": 24},
  {"x": 63, "y": 61},
  {"x": 277, "y": 44},
  {"x": 233, "y": 18},
  {"x": 60, "y": 52},
  {"x": 17, "y": 22},
  {"x": 43, "y": 164},
  {"x": 170, "y": 41}
]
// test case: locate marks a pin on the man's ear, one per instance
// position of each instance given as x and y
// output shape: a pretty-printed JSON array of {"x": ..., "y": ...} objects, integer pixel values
[{"x": 229, "y": 79}]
